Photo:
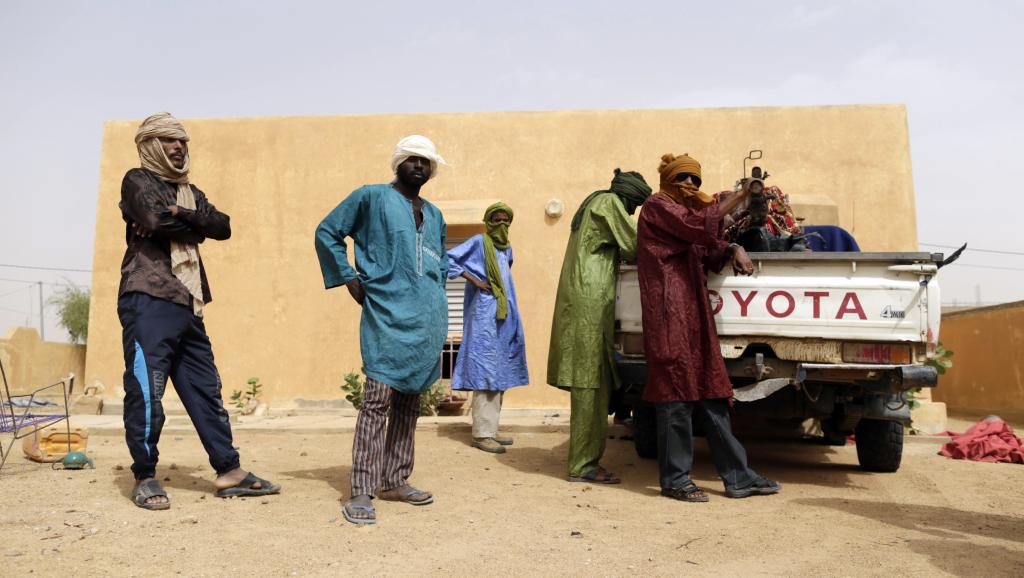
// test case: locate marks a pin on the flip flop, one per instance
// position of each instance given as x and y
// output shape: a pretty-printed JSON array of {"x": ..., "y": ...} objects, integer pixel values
[
  {"x": 150, "y": 489},
  {"x": 597, "y": 476},
  {"x": 245, "y": 488},
  {"x": 361, "y": 508},
  {"x": 405, "y": 494}
]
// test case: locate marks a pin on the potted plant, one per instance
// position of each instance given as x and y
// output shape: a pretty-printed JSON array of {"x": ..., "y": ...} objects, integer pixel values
[{"x": 450, "y": 403}]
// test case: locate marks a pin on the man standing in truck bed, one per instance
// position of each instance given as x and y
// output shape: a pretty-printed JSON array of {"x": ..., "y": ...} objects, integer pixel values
[{"x": 679, "y": 239}]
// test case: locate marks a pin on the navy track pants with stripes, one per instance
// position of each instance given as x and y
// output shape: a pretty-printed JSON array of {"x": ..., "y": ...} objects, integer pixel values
[{"x": 166, "y": 340}]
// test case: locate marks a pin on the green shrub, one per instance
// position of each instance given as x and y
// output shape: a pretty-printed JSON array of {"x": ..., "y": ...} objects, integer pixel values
[
  {"x": 241, "y": 398},
  {"x": 353, "y": 388},
  {"x": 429, "y": 399},
  {"x": 941, "y": 362}
]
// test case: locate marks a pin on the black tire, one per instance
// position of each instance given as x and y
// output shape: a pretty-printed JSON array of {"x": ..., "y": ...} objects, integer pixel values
[
  {"x": 645, "y": 431},
  {"x": 879, "y": 445}
]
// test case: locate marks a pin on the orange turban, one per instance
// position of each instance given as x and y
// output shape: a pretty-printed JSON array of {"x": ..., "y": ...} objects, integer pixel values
[{"x": 670, "y": 167}]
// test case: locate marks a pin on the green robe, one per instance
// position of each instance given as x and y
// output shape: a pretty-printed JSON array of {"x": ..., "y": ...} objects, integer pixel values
[{"x": 583, "y": 327}]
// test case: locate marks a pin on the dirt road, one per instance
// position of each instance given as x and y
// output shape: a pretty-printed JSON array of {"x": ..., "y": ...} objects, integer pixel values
[{"x": 514, "y": 514}]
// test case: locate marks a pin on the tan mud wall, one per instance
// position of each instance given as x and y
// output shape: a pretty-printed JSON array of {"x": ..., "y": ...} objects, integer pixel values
[
  {"x": 31, "y": 363},
  {"x": 988, "y": 367},
  {"x": 277, "y": 177}
]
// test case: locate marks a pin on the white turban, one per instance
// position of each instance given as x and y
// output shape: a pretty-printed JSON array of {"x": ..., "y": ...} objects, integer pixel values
[{"x": 416, "y": 146}]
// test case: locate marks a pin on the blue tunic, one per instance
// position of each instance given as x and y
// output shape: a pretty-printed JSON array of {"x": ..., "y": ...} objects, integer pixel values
[
  {"x": 403, "y": 271},
  {"x": 493, "y": 352}
]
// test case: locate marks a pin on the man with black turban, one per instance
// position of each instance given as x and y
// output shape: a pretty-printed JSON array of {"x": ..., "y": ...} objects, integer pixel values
[
  {"x": 160, "y": 303},
  {"x": 582, "y": 331}
]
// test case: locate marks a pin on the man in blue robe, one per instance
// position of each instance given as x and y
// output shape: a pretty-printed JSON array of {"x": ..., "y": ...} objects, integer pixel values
[
  {"x": 492, "y": 356},
  {"x": 401, "y": 267}
]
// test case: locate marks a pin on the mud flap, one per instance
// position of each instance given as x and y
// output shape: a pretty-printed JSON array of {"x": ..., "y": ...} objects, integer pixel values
[{"x": 888, "y": 408}]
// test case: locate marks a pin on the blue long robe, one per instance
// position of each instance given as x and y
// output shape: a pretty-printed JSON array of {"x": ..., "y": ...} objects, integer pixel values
[
  {"x": 403, "y": 271},
  {"x": 492, "y": 356}
]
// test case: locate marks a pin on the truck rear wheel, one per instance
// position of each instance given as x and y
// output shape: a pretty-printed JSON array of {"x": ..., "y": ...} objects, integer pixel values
[
  {"x": 879, "y": 445},
  {"x": 645, "y": 430}
]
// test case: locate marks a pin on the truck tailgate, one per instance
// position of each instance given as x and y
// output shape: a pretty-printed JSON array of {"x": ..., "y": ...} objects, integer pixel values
[{"x": 857, "y": 296}]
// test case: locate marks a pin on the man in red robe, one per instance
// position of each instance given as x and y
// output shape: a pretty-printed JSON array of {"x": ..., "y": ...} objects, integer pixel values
[{"x": 679, "y": 239}]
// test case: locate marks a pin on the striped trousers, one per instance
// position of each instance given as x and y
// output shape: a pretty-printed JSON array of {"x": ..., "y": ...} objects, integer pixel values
[{"x": 383, "y": 448}]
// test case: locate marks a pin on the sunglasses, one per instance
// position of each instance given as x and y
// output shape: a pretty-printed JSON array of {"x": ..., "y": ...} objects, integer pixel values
[{"x": 682, "y": 177}]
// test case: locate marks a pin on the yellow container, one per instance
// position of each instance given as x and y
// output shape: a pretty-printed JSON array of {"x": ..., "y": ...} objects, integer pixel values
[{"x": 50, "y": 444}]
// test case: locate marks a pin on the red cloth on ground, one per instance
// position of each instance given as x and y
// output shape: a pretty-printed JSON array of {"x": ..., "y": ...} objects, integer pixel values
[
  {"x": 676, "y": 246},
  {"x": 986, "y": 441}
]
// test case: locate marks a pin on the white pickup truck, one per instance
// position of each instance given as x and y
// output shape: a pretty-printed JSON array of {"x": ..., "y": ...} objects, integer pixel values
[{"x": 840, "y": 337}]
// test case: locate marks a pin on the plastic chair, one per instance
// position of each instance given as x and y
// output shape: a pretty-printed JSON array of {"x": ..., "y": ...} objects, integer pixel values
[{"x": 18, "y": 418}]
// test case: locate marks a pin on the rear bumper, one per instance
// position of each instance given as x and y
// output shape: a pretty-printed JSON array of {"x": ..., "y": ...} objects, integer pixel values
[
  {"x": 880, "y": 379},
  {"x": 873, "y": 379}
]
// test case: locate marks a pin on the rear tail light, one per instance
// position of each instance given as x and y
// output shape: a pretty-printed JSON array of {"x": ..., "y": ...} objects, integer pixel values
[{"x": 876, "y": 353}]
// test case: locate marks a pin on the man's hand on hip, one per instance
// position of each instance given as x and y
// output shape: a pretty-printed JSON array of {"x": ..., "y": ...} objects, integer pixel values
[
  {"x": 481, "y": 285},
  {"x": 355, "y": 289}
]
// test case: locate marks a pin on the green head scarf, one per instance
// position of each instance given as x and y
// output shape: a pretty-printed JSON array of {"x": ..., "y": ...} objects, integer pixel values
[
  {"x": 496, "y": 236},
  {"x": 630, "y": 187}
]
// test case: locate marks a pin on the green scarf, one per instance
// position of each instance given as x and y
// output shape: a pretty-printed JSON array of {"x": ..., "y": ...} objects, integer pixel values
[
  {"x": 496, "y": 236},
  {"x": 631, "y": 188}
]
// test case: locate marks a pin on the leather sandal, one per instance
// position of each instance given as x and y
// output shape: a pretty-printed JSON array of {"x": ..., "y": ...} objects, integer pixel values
[{"x": 689, "y": 492}]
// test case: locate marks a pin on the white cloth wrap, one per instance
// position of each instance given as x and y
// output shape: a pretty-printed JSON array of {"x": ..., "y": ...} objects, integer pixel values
[{"x": 416, "y": 146}]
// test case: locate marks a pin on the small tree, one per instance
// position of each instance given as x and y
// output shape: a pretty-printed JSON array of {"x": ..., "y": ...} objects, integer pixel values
[{"x": 72, "y": 305}]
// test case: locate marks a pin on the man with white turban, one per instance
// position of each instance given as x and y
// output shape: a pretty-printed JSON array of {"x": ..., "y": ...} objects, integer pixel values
[
  {"x": 160, "y": 304},
  {"x": 399, "y": 279}
]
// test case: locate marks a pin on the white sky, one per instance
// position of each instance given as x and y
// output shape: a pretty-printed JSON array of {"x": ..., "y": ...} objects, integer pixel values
[{"x": 66, "y": 67}]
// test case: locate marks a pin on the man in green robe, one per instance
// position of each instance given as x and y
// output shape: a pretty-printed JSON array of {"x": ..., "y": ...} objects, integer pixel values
[{"x": 582, "y": 330}]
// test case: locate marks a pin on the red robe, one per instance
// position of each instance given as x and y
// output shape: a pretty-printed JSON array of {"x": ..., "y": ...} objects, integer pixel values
[{"x": 676, "y": 246}]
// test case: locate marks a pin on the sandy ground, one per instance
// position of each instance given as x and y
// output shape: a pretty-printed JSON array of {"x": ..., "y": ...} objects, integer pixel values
[{"x": 513, "y": 514}]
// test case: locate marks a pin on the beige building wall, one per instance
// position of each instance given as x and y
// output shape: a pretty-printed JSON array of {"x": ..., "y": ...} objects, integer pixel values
[
  {"x": 277, "y": 177},
  {"x": 31, "y": 363},
  {"x": 988, "y": 372}
]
